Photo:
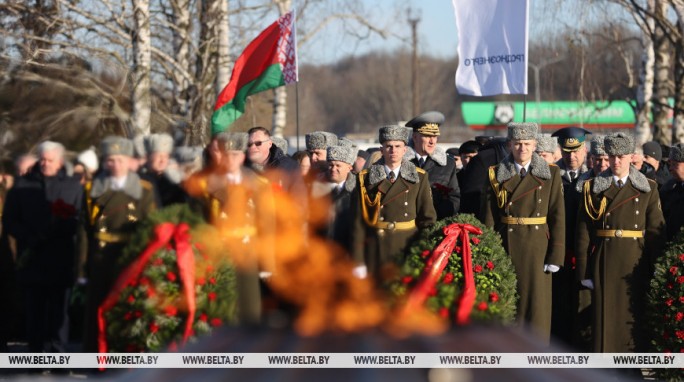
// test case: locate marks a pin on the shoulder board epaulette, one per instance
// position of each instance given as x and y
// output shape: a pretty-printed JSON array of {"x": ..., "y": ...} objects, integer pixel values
[
  {"x": 363, "y": 172},
  {"x": 146, "y": 184},
  {"x": 553, "y": 164},
  {"x": 420, "y": 170}
]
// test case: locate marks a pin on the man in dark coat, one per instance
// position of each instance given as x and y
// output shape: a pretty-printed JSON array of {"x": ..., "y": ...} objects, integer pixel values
[
  {"x": 41, "y": 213},
  {"x": 337, "y": 190},
  {"x": 442, "y": 173},
  {"x": 473, "y": 179},
  {"x": 268, "y": 160},
  {"x": 157, "y": 171},
  {"x": 524, "y": 203},
  {"x": 392, "y": 201},
  {"x": 116, "y": 201},
  {"x": 654, "y": 167},
  {"x": 572, "y": 166},
  {"x": 672, "y": 193},
  {"x": 620, "y": 233}
]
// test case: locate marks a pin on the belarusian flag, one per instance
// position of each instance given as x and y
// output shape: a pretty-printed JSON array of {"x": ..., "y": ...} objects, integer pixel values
[{"x": 269, "y": 61}]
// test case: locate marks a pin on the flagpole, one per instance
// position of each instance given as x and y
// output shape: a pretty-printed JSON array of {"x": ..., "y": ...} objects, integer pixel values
[
  {"x": 525, "y": 108},
  {"x": 297, "y": 111}
]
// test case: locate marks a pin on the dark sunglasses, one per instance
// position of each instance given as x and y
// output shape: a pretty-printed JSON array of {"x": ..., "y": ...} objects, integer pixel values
[{"x": 256, "y": 143}]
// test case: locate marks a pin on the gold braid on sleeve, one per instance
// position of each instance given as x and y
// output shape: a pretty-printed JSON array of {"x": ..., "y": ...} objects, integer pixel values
[
  {"x": 589, "y": 205},
  {"x": 366, "y": 203},
  {"x": 501, "y": 195}
]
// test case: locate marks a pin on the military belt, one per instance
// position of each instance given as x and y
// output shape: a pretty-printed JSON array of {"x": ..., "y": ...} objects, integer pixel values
[
  {"x": 411, "y": 224},
  {"x": 109, "y": 237},
  {"x": 523, "y": 221},
  {"x": 618, "y": 233}
]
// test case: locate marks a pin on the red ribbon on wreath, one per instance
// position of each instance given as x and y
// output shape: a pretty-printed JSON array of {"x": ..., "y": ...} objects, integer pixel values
[
  {"x": 439, "y": 259},
  {"x": 163, "y": 233}
]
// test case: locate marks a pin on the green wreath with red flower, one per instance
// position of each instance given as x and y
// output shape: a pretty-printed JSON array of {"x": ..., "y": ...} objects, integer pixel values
[
  {"x": 434, "y": 273},
  {"x": 666, "y": 306},
  {"x": 150, "y": 308}
]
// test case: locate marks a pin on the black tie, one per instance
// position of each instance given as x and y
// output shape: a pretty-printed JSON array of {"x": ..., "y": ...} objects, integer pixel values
[
  {"x": 572, "y": 175},
  {"x": 421, "y": 162},
  {"x": 391, "y": 176},
  {"x": 620, "y": 184},
  {"x": 522, "y": 172}
]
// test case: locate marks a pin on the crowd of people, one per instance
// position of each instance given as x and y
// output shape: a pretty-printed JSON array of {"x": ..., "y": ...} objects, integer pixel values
[{"x": 582, "y": 220}]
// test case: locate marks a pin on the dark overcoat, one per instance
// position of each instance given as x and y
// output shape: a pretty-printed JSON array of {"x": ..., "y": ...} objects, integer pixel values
[
  {"x": 672, "y": 200},
  {"x": 442, "y": 173}
]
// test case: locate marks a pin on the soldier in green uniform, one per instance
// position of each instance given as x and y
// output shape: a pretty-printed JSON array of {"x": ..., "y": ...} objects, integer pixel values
[
  {"x": 116, "y": 200},
  {"x": 391, "y": 202},
  {"x": 620, "y": 233},
  {"x": 524, "y": 203}
]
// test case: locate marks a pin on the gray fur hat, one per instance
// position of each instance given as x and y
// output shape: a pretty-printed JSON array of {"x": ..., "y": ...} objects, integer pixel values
[
  {"x": 597, "y": 146},
  {"x": 546, "y": 143},
  {"x": 677, "y": 152},
  {"x": 395, "y": 133},
  {"x": 346, "y": 142},
  {"x": 522, "y": 130},
  {"x": 233, "y": 141},
  {"x": 187, "y": 154},
  {"x": 320, "y": 140},
  {"x": 619, "y": 144},
  {"x": 159, "y": 143},
  {"x": 280, "y": 143},
  {"x": 342, "y": 154},
  {"x": 115, "y": 145}
]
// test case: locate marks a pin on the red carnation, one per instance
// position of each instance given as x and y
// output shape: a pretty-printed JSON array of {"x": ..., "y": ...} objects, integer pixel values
[
  {"x": 215, "y": 322},
  {"x": 433, "y": 292},
  {"x": 406, "y": 279},
  {"x": 130, "y": 299},
  {"x": 151, "y": 292},
  {"x": 478, "y": 268},
  {"x": 145, "y": 281},
  {"x": 493, "y": 297},
  {"x": 158, "y": 261},
  {"x": 132, "y": 283},
  {"x": 475, "y": 240},
  {"x": 680, "y": 334},
  {"x": 428, "y": 264},
  {"x": 211, "y": 296},
  {"x": 128, "y": 316},
  {"x": 203, "y": 317},
  {"x": 679, "y": 316},
  {"x": 673, "y": 269},
  {"x": 482, "y": 306},
  {"x": 171, "y": 310},
  {"x": 210, "y": 269},
  {"x": 457, "y": 249},
  {"x": 171, "y": 276},
  {"x": 681, "y": 257},
  {"x": 154, "y": 327},
  {"x": 444, "y": 312},
  {"x": 669, "y": 302},
  {"x": 425, "y": 253},
  {"x": 137, "y": 314},
  {"x": 212, "y": 281},
  {"x": 681, "y": 299},
  {"x": 680, "y": 279},
  {"x": 490, "y": 265},
  {"x": 670, "y": 285},
  {"x": 448, "y": 278},
  {"x": 200, "y": 281}
]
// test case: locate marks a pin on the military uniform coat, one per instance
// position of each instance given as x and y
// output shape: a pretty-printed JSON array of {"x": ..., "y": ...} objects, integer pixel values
[
  {"x": 408, "y": 198},
  {"x": 340, "y": 217},
  {"x": 110, "y": 218},
  {"x": 538, "y": 194},
  {"x": 620, "y": 268},
  {"x": 442, "y": 173},
  {"x": 672, "y": 200}
]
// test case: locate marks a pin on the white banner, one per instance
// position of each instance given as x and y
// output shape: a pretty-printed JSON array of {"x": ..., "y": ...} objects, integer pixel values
[
  {"x": 492, "y": 46},
  {"x": 339, "y": 360}
]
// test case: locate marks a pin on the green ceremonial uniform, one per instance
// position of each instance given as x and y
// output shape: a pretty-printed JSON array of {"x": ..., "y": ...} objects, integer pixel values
[
  {"x": 620, "y": 233},
  {"x": 387, "y": 215},
  {"x": 111, "y": 218},
  {"x": 529, "y": 214}
]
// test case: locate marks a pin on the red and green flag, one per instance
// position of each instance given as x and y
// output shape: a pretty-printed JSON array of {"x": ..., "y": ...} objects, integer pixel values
[{"x": 269, "y": 61}]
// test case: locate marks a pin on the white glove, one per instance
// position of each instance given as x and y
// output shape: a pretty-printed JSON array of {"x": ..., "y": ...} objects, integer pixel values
[
  {"x": 588, "y": 283},
  {"x": 551, "y": 268},
  {"x": 360, "y": 272}
]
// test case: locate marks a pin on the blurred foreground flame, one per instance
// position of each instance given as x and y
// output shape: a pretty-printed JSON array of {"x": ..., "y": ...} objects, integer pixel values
[{"x": 266, "y": 227}]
